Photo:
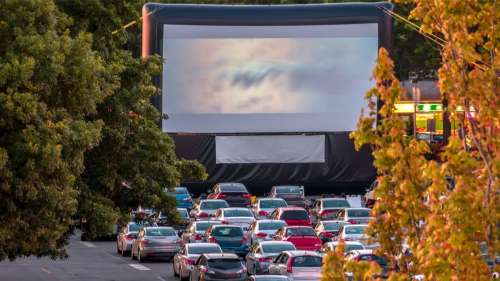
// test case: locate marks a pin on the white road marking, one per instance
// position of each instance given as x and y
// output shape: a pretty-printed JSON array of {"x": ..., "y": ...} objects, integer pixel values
[
  {"x": 45, "y": 270},
  {"x": 160, "y": 278},
  {"x": 88, "y": 244},
  {"x": 139, "y": 266}
]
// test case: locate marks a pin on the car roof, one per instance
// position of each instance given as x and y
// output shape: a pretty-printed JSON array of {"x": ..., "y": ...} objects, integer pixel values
[
  {"x": 257, "y": 277},
  {"x": 202, "y": 244},
  {"x": 297, "y": 253},
  {"x": 267, "y": 220},
  {"x": 354, "y": 225},
  {"x": 209, "y": 221},
  {"x": 230, "y": 184},
  {"x": 234, "y": 209},
  {"x": 332, "y": 199},
  {"x": 211, "y": 200},
  {"x": 182, "y": 209},
  {"x": 158, "y": 227},
  {"x": 274, "y": 242},
  {"x": 362, "y": 252},
  {"x": 292, "y": 209},
  {"x": 222, "y": 256},
  {"x": 226, "y": 225},
  {"x": 333, "y": 221},
  {"x": 298, "y": 226},
  {"x": 358, "y": 208},
  {"x": 180, "y": 188},
  {"x": 271, "y": 199},
  {"x": 335, "y": 243}
]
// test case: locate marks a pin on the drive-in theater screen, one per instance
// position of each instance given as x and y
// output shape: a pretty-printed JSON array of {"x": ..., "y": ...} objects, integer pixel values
[{"x": 267, "y": 94}]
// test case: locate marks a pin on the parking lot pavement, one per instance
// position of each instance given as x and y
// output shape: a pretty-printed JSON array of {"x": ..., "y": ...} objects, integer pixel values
[{"x": 96, "y": 261}]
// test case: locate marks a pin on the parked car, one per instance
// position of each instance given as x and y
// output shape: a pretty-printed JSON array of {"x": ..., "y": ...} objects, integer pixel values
[
  {"x": 292, "y": 216},
  {"x": 207, "y": 207},
  {"x": 194, "y": 231},
  {"x": 326, "y": 230},
  {"x": 263, "y": 207},
  {"x": 237, "y": 216},
  {"x": 236, "y": 194},
  {"x": 369, "y": 256},
  {"x": 353, "y": 232},
  {"x": 125, "y": 238},
  {"x": 188, "y": 254},
  {"x": 292, "y": 194},
  {"x": 155, "y": 242},
  {"x": 230, "y": 238},
  {"x": 185, "y": 219},
  {"x": 267, "y": 278},
  {"x": 261, "y": 255},
  {"x": 327, "y": 208},
  {"x": 218, "y": 267},
  {"x": 303, "y": 237},
  {"x": 263, "y": 230},
  {"x": 348, "y": 246},
  {"x": 182, "y": 197},
  {"x": 355, "y": 215},
  {"x": 298, "y": 265}
]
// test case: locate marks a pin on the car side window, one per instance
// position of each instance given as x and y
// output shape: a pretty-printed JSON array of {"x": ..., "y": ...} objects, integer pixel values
[{"x": 278, "y": 258}]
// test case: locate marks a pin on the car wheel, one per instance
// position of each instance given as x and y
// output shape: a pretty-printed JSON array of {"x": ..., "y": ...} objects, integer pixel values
[{"x": 176, "y": 274}]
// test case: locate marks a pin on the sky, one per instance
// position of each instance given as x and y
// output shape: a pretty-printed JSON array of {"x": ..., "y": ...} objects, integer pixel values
[{"x": 284, "y": 74}]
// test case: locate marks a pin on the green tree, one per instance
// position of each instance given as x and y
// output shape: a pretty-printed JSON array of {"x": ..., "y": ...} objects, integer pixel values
[{"x": 50, "y": 85}]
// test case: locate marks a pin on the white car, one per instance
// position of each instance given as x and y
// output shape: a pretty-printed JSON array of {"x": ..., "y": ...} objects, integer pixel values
[
  {"x": 298, "y": 265},
  {"x": 263, "y": 230},
  {"x": 265, "y": 206},
  {"x": 353, "y": 232},
  {"x": 348, "y": 246},
  {"x": 242, "y": 217},
  {"x": 188, "y": 254}
]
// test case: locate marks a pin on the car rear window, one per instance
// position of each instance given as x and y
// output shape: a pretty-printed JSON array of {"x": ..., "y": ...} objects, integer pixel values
[
  {"x": 307, "y": 261},
  {"x": 271, "y": 225},
  {"x": 300, "y": 231},
  {"x": 277, "y": 248},
  {"x": 272, "y": 204},
  {"x": 160, "y": 232},
  {"x": 227, "y": 231},
  {"x": 295, "y": 215},
  {"x": 333, "y": 226},
  {"x": 224, "y": 263},
  {"x": 181, "y": 190},
  {"x": 348, "y": 248},
  {"x": 355, "y": 229},
  {"x": 202, "y": 226},
  {"x": 358, "y": 213},
  {"x": 238, "y": 213},
  {"x": 183, "y": 213},
  {"x": 212, "y": 205},
  {"x": 288, "y": 190},
  {"x": 134, "y": 227},
  {"x": 198, "y": 250},
  {"x": 238, "y": 188},
  {"x": 335, "y": 204}
]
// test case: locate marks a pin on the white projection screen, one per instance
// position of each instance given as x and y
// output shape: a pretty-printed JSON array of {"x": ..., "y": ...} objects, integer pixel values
[{"x": 266, "y": 79}]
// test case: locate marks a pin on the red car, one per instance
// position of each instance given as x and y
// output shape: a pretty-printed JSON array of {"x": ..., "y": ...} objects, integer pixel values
[
  {"x": 303, "y": 237},
  {"x": 292, "y": 216}
]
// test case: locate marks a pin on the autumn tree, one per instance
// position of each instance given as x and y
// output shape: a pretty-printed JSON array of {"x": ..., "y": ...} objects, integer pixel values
[{"x": 444, "y": 212}]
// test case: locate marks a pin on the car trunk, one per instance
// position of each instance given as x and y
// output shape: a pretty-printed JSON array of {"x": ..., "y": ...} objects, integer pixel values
[{"x": 305, "y": 242}]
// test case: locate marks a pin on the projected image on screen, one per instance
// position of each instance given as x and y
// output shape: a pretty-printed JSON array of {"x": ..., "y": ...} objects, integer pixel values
[{"x": 219, "y": 79}]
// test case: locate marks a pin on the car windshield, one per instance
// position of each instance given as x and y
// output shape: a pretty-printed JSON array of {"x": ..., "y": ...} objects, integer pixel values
[
  {"x": 227, "y": 231},
  {"x": 295, "y": 215},
  {"x": 307, "y": 261},
  {"x": 202, "y": 226},
  {"x": 238, "y": 213},
  {"x": 265, "y": 204},
  {"x": 198, "y": 250},
  {"x": 355, "y": 229},
  {"x": 333, "y": 226},
  {"x": 160, "y": 232},
  {"x": 225, "y": 263},
  {"x": 134, "y": 227},
  {"x": 183, "y": 213},
  {"x": 271, "y": 225},
  {"x": 358, "y": 213},
  {"x": 212, "y": 205},
  {"x": 335, "y": 204},
  {"x": 288, "y": 190},
  {"x": 233, "y": 188},
  {"x": 300, "y": 231},
  {"x": 277, "y": 248}
]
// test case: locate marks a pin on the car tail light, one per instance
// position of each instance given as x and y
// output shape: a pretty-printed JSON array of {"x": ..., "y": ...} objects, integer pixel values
[
  {"x": 265, "y": 259},
  {"x": 212, "y": 239},
  {"x": 197, "y": 236},
  {"x": 263, "y": 213},
  {"x": 351, "y": 221},
  {"x": 327, "y": 234},
  {"x": 261, "y": 235},
  {"x": 130, "y": 236},
  {"x": 224, "y": 222},
  {"x": 145, "y": 242},
  {"x": 246, "y": 195},
  {"x": 289, "y": 268},
  {"x": 221, "y": 196},
  {"x": 203, "y": 215}
]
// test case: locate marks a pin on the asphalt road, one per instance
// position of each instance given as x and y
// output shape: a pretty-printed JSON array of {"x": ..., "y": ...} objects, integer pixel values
[{"x": 87, "y": 261}]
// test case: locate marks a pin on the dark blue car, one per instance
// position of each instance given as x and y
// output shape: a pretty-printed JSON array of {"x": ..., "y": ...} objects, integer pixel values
[
  {"x": 230, "y": 238},
  {"x": 182, "y": 197}
]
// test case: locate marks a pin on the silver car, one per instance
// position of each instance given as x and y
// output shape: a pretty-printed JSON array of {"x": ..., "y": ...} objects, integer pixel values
[
  {"x": 263, "y": 230},
  {"x": 298, "y": 265},
  {"x": 262, "y": 254},
  {"x": 267, "y": 278},
  {"x": 236, "y": 216},
  {"x": 125, "y": 238},
  {"x": 355, "y": 215},
  {"x": 188, "y": 254},
  {"x": 265, "y": 206},
  {"x": 353, "y": 232},
  {"x": 194, "y": 231},
  {"x": 155, "y": 242},
  {"x": 206, "y": 208}
]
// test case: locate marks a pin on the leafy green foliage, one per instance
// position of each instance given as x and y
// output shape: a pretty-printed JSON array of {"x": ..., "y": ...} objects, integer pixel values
[{"x": 50, "y": 84}]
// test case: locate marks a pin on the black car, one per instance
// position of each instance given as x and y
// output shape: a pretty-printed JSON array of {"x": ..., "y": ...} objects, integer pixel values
[
  {"x": 218, "y": 267},
  {"x": 235, "y": 194},
  {"x": 292, "y": 194}
]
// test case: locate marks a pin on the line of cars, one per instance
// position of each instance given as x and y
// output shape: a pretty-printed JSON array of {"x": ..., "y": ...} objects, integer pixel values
[{"x": 230, "y": 236}]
